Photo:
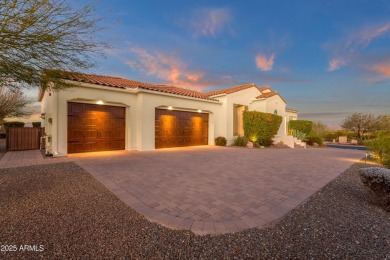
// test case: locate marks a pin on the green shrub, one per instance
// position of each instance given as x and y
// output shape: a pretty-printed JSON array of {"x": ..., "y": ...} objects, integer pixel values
[
  {"x": 329, "y": 136},
  {"x": 304, "y": 126},
  {"x": 261, "y": 127},
  {"x": 298, "y": 134},
  {"x": 377, "y": 180},
  {"x": 13, "y": 124},
  {"x": 36, "y": 124},
  {"x": 240, "y": 141},
  {"x": 380, "y": 147},
  {"x": 220, "y": 141},
  {"x": 311, "y": 140}
]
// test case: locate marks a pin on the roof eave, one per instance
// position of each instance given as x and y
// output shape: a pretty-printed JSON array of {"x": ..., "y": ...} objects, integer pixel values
[{"x": 140, "y": 90}]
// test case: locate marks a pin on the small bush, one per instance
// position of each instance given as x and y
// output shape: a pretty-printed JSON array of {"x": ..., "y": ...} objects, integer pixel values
[
  {"x": 36, "y": 124},
  {"x": 304, "y": 126},
  {"x": 13, "y": 124},
  {"x": 261, "y": 127},
  {"x": 220, "y": 141},
  {"x": 377, "y": 180},
  {"x": 380, "y": 147},
  {"x": 311, "y": 140},
  {"x": 240, "y": 141}
]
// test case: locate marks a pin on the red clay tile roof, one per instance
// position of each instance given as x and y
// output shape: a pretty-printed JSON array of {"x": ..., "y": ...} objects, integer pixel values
[
  {"x": 230, "y": 90},
  {"x": 178, "y": 91},
  {"x": 291, "y": 110},
  {"x": 267, "y": 95},
  {"x": 264, "y": 88},
  {"x": 270, "y": 94},
  {"x": 117, "y": 82}
]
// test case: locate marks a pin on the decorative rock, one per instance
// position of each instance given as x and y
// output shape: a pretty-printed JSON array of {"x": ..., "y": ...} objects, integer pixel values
[
  {"x": 343, "y": 139},
  {"x": 249, "y": 145}
]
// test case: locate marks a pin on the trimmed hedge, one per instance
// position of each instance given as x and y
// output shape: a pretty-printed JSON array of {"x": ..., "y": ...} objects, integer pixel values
[
  {"x": 304, "y": 126},
  {"x": 240, "y": 141},
  {"x": 377, "y": 180},
  {"x": 220, "y": 141},
  {"x": 36, "y": 124},
  {"x": 261, "y": 127},
  {"x": 13, "y": 124}
]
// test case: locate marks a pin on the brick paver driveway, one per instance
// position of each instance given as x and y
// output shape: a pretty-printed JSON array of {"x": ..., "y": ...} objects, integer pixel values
[{"x": 212, "y": 190}]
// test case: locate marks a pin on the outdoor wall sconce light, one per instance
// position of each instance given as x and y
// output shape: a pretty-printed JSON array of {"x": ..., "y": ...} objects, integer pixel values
[
  {"x": 170, "y": 108},
  {"x": 43, "y": 115},
  {"x": 199, "y": 111},
  {"x": 100, "y": 102}
]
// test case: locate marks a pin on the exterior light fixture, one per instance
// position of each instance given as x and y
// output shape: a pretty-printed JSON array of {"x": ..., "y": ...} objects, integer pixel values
[
  {"x": 100, "y": 102},
  {"x": 199, "y": 111},
  {"x": 170, "y": 108}
]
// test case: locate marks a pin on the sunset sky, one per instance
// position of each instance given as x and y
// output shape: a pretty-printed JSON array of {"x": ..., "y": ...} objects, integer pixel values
[{"x": 326, "y": 58}]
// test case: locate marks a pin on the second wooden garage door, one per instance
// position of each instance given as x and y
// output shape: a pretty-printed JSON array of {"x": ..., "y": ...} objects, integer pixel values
[
  {"x": 95, "y": 128},
  {"x": 180, "y": 128}
]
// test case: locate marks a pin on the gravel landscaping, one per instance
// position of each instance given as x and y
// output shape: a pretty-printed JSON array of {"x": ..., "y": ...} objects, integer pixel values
[{"x": 63, "y": 208}]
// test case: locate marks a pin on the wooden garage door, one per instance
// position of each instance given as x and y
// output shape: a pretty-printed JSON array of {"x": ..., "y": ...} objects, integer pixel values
[
  {"x": 180, "y": 128},
  {"x": 95, "y": 128}
]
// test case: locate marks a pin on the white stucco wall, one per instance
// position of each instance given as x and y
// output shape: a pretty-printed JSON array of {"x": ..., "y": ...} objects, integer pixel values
[
  {"x": 152, "y": 100},
  {"x": 140, "y": 113},
  {"x": 56, "y": 108},
  {"x": 277, "y": 103},
  {"x": 243, "y": 97}
]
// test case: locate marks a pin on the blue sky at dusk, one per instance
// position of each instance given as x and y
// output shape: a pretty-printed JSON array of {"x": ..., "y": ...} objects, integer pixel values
[{"x": 326, "y": 58}]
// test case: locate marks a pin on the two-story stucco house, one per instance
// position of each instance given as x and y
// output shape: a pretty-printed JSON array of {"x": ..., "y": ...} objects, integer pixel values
[{"x": 102, "y": 113}]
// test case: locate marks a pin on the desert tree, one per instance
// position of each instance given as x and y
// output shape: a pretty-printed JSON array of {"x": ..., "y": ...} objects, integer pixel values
[
  {"x": 383, "y": 123},
  {"x": 360, "y": 123},
  {"x": 41, "y": 38},
  {"x": 12, "y": 103}
]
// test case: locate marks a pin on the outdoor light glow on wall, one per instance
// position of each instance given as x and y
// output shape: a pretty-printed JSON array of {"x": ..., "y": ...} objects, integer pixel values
[
  {"x": 100, "y": 102},
  {"x": 170, "y": 108}
]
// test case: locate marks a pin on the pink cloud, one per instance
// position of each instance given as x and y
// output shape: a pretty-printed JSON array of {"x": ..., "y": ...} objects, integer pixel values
[
  {"x": 194, "y": 76},
  {"x": 382, "y": 69},
  {"x": 210, "y": 21},
  {"x": 345, "y": 50},
  {"x": 264, "y": 63},
  {"x": 336, "y": 63},
  {"x": 161, "y": 65},
  {"x": 367, "y": 35},
  {"x": 171, "y": 70}
]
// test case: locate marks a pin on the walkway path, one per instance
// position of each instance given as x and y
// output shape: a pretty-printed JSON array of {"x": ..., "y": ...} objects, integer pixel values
[{"x": 26, "y": 158}]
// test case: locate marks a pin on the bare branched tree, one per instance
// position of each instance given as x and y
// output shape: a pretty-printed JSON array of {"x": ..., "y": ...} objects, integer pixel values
[
  {"x": 40, "y": 38},
  {"x": 384, "y": 122},
  {"x": 12, "y": 103},
  {"x": 360, "y": 123}
]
